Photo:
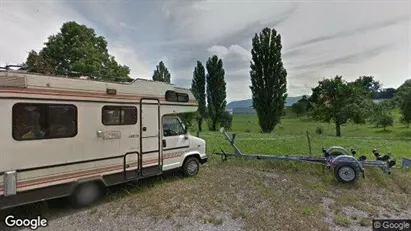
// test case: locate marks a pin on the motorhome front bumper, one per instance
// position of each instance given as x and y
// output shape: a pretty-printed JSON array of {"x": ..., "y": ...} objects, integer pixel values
[{"x": 204, "y": 160}]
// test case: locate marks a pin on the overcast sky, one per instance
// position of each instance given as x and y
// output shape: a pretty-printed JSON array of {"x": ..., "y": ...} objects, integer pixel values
[{"x": 320, "y": 38}]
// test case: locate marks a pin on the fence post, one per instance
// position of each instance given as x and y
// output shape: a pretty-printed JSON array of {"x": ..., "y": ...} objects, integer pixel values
[{"x": 309, "y": 143}]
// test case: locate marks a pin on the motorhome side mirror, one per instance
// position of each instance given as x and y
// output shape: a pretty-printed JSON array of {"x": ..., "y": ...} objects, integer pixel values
[{"x": 222, "y": 130}]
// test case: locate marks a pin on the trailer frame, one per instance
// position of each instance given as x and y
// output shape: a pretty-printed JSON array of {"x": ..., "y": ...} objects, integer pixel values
[{"x": 346, "y": 167}]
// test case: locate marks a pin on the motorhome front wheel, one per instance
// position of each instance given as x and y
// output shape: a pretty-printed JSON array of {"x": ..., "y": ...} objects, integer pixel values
[{"x": 191, "y": 166}]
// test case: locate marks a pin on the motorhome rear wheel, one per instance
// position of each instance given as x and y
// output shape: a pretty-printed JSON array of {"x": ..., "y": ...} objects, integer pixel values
[{"x": 86, "y": 194}]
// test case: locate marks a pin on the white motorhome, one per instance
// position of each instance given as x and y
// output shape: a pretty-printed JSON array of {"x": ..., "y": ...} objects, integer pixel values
[{"x": 73, "y": 137}]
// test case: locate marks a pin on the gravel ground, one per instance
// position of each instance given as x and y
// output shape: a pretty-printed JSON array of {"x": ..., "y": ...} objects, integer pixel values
[
  {"x": 115, "y": 216},
  {"x": 104, "y": 219},
  {"x": 256, "y": 196}
]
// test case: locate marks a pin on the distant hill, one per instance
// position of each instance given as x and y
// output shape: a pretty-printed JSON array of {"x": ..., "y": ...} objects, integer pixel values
[{"x": 249, "y": 102}]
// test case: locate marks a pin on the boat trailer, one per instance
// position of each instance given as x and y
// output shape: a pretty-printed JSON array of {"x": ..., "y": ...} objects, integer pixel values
[{"x": 346, "y": 167}]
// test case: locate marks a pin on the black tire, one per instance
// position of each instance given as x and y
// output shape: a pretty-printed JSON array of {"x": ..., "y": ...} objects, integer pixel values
[
  {"x": 86, "y": 194},
  {"x": 346, "y": 173},
  {"x": 191, "y": 166}
]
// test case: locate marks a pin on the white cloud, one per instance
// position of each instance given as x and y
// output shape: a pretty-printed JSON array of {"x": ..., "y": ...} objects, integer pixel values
[
  {"x": 216, "y": 21},
  {"x": 124, "y": 54},
  {"x": 240, "y": 51},
  {"x": 208, "y": 21},
  {"x": 220, "y": 51},
  {"x": 141, "y": 33},
  {"x": 232, "y": 51}
]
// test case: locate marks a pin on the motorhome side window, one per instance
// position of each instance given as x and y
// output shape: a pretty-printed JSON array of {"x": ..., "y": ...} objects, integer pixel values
[
  {"x": 119, "y": 115},
  {"x": 172, "y": 127},
  {"x": 43, "y": 121},
  {"x": 173, "y": 96}
]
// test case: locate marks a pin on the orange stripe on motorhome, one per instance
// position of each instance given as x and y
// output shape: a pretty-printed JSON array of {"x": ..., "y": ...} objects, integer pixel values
[
  {"x": 68, "y": 176},
  {"x": 81, "y": 174},
  {"x": 78, "y": 94}
]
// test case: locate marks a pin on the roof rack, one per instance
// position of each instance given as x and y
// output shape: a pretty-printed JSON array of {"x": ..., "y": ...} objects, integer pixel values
[
  {"x": 8, "y": 67},
  {"x": 81, "y": 76}
]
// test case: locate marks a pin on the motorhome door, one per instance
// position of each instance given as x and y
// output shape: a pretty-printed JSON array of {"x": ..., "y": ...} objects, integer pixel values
[{"x": 151, "y": 154}]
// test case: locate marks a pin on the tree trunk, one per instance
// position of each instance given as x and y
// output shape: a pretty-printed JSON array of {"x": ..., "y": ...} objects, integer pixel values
[
  {"x": 337, "y": 129},
  {"x": 200, "y": 122},
  {"x": 214, "y": 124}
]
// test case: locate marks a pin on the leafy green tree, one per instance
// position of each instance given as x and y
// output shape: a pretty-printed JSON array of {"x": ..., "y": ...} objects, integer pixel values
[
  {"x": 368, "y": 85},
  {"x": 360, "y": 112},
  {"x": 405, "y": 87},
  {"x": 39, "y": 63},
  {"x": 76, "y": 50},
  {"x": 198, "y": 89},
  {"x": 305, "y": 100},
  {"x": 313, "y": 99},
  {"x": 161, "y": 73},
  {"x": 226, "y": 120},
  {"x": 386, "y": 93},
  {"x": 298, "y": 108},
  {"x": 406, "y": 113},
  {"x": 216, "y": 91},
  {"x": 333, "y": 99},
  {"x": 379, "y": 110},
  {"x": 404, "y": 101},
  {"x": 268, "y": 78},
  {"x": 385, "y": 120}
]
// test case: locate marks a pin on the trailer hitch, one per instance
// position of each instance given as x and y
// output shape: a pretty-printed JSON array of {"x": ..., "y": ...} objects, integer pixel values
[{"x": 223, "y": 155}]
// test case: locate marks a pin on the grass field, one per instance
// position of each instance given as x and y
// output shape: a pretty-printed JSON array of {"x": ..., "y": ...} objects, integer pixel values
[
  {"x": 255, "y": 194},
  {"x": 292, "y": 125},
  {"x": 316, "y": 194},
  {"x": 290, "y": 137}
]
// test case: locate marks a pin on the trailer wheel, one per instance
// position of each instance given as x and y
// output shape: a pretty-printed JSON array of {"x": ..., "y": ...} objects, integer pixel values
[
  {"x": 86, "y": 194},
  {"x": 191, "y": 166},
  {"x": 346, "y": 173}
]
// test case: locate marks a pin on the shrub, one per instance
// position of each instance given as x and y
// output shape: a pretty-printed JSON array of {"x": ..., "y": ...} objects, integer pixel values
[
  {"x": 226, "y": 120},
  {"x": 209, "y": 124},
  {"x": 319, "y": 130},
  {"x": 385, "y": 121},
  {"x": 298, "y": 108}
]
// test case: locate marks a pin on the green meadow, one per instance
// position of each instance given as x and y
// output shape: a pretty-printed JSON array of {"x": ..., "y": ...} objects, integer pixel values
[{"x": 290, "y": 136}]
